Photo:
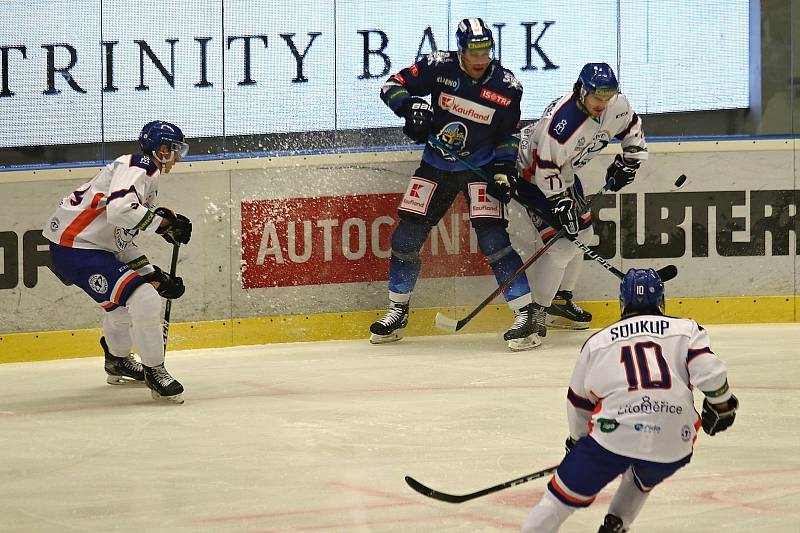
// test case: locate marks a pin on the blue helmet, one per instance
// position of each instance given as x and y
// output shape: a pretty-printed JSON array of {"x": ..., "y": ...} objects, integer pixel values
[
  {"x": 158, "y": 132},
  {"x": 598, "y": 78},
  {"x": 474, "y": 34},
  {"x": 641, "y": 291}
]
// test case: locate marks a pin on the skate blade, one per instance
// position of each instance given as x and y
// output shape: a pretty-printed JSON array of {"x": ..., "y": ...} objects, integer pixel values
[
  {"x": 394, "y": 336},
  {"x": 553, "y": 321},
  {"x": 178, "y": 398},
  {"x": 124, "y": 381},
  {"x": 526, "y": 343}
]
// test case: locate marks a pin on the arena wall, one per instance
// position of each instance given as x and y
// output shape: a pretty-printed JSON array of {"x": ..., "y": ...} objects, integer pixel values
[{"x": 296, "y": 248}]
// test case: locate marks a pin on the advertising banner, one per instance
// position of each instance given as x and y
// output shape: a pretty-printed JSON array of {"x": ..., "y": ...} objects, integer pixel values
[{"x": 284, "y": 67}]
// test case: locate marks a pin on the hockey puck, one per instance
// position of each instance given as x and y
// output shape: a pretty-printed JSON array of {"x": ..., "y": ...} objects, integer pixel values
[{"x": 680, "y": 181}]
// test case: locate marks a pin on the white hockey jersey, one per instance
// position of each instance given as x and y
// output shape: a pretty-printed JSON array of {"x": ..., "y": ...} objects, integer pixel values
[
  {"x": 108, "y": 212},
  {"x": 631, "y": 389},
  {"x": 567, "y": 138}
]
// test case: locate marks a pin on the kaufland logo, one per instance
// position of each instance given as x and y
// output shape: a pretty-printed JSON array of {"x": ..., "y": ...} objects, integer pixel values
[{"x": 466, "y": 108}]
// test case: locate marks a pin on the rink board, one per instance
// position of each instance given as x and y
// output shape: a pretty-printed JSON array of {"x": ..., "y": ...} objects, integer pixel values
[{"x": 297, "y": 248}]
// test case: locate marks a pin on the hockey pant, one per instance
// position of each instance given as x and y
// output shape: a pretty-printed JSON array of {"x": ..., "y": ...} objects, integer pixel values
[
  {"x": 133, "y": 307},
  {"x": 584, "y": 472},
  {"x": 493, "y": 242},
  {"x": 430, "y": 203}
]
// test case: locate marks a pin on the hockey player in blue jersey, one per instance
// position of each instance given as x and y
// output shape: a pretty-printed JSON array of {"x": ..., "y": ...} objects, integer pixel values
[{"x": 475, "y": 111}]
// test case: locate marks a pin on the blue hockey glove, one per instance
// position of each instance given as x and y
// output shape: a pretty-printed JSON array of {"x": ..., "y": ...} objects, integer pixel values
[
  {"x": 505, "y": 180},
  {"x": 566, "y": 214},
  {"x": 621, "y": 172},
  {"x": 179, "y": 228},
  {"x": 719, "y": 417},
  {"x": 419, "y": 119},
  {"x": 167, "y": 286}
]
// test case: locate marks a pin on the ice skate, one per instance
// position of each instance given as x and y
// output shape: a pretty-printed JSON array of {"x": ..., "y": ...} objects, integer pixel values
[
  {"x": 392, "y": 325},
  {"x": 564, "y": 313},
  {"x": 528, "y": 328},
  {"x": 162, "y": 386},
  {"x": 121, "y": 370},
  {"x": 612, "y": 524}
]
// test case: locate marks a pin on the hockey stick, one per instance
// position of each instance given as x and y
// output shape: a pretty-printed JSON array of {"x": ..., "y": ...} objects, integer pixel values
[
  {"x": 448, "y": 324},
  {"x": 455, "y": 498},
  {"x": 168, "y": 307},
  {"x": 666, "y": 273}
]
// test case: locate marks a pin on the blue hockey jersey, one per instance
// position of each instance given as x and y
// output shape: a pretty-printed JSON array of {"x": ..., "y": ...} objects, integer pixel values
[{"x": 478, "y": 119}]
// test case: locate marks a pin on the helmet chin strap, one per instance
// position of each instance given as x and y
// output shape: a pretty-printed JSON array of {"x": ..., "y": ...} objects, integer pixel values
[{"x": 172, "y": 155}]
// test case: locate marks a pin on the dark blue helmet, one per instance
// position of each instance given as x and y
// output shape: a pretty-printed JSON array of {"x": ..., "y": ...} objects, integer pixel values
[
  {"x": 641, "y": 291},
  {"x": 158, "y": 132},
  {"x": 474, "y": 34},
  {"x": 598, "y": 78}
]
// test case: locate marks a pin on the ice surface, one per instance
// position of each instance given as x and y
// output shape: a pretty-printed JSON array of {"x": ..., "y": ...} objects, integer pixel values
[{"x": 318, "y": 437}]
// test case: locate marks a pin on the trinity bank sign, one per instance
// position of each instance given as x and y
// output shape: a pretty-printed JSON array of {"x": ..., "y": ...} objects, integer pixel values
[
  {"x": 163, "y": 61},
  {"x": 264, "y": 67},
  {"x": 87, "y": 71}
]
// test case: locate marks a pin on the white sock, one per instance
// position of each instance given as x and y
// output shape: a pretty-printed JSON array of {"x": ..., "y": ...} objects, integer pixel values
[
  {"x": 547, "y": 516},
  {"x": 628, "y": 500},
  {"x": 144, "y": 306},
  {"x": 117, "y": 331}
]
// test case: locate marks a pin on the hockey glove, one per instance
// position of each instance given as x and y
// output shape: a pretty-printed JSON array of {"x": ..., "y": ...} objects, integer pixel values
[
  {"x": 167, "y": 286},
  {"x": 719, "y": 417},
  {"x": 569, "y": 444},
  {"x": 179, "y": 228},
  {"x": 419, "y": 119},
  {"x": 563, "y": 208},
  {"x": 621, "y": 172},
  {"x": 505, "y": 180}
]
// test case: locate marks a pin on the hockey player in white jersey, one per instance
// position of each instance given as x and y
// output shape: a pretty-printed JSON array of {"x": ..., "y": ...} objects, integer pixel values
[
  {"x": 572, "y": 130},
  {"x": 92, "y": 245},
  {"x": 631, "y": 410}
]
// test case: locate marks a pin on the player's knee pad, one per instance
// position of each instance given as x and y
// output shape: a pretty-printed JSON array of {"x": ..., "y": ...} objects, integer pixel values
[
  {"x": 144, "y": 304},
  {"x": 407, "y": 240},
  {"x": 494, "y": 242}
]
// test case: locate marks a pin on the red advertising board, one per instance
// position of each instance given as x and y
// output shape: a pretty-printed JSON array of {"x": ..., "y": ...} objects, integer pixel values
[{"x": 345, "y": 239}]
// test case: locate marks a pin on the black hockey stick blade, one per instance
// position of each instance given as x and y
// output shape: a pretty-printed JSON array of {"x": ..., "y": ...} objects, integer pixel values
[
  {"x": 667, "y": 273},
  {"x": 461, "y": 498}
]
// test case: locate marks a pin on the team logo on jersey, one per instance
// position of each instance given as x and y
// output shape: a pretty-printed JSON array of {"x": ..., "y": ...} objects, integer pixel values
[
  {"x": 123, "y": 237},
  {"x": 686, "y": 433},
  {"x": 54, "y": 224},
  {"x": 599, "y": 141},
  {"x": 559, "y": 128},
  {"x": 647, "y": 428},
  {"x": 467, "y": 109},
  {"x": 454, "y": 135},
  {"x": 513, "y": 83},
  {"x": 98, "y": 283},
  {"x": 497, "y": 98},
  {"x": 439, "y": 56},
  {"x": 607, "y": 425},
  {"x": 414, "y": 70},
  {"x": 455, "y": 84}
]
